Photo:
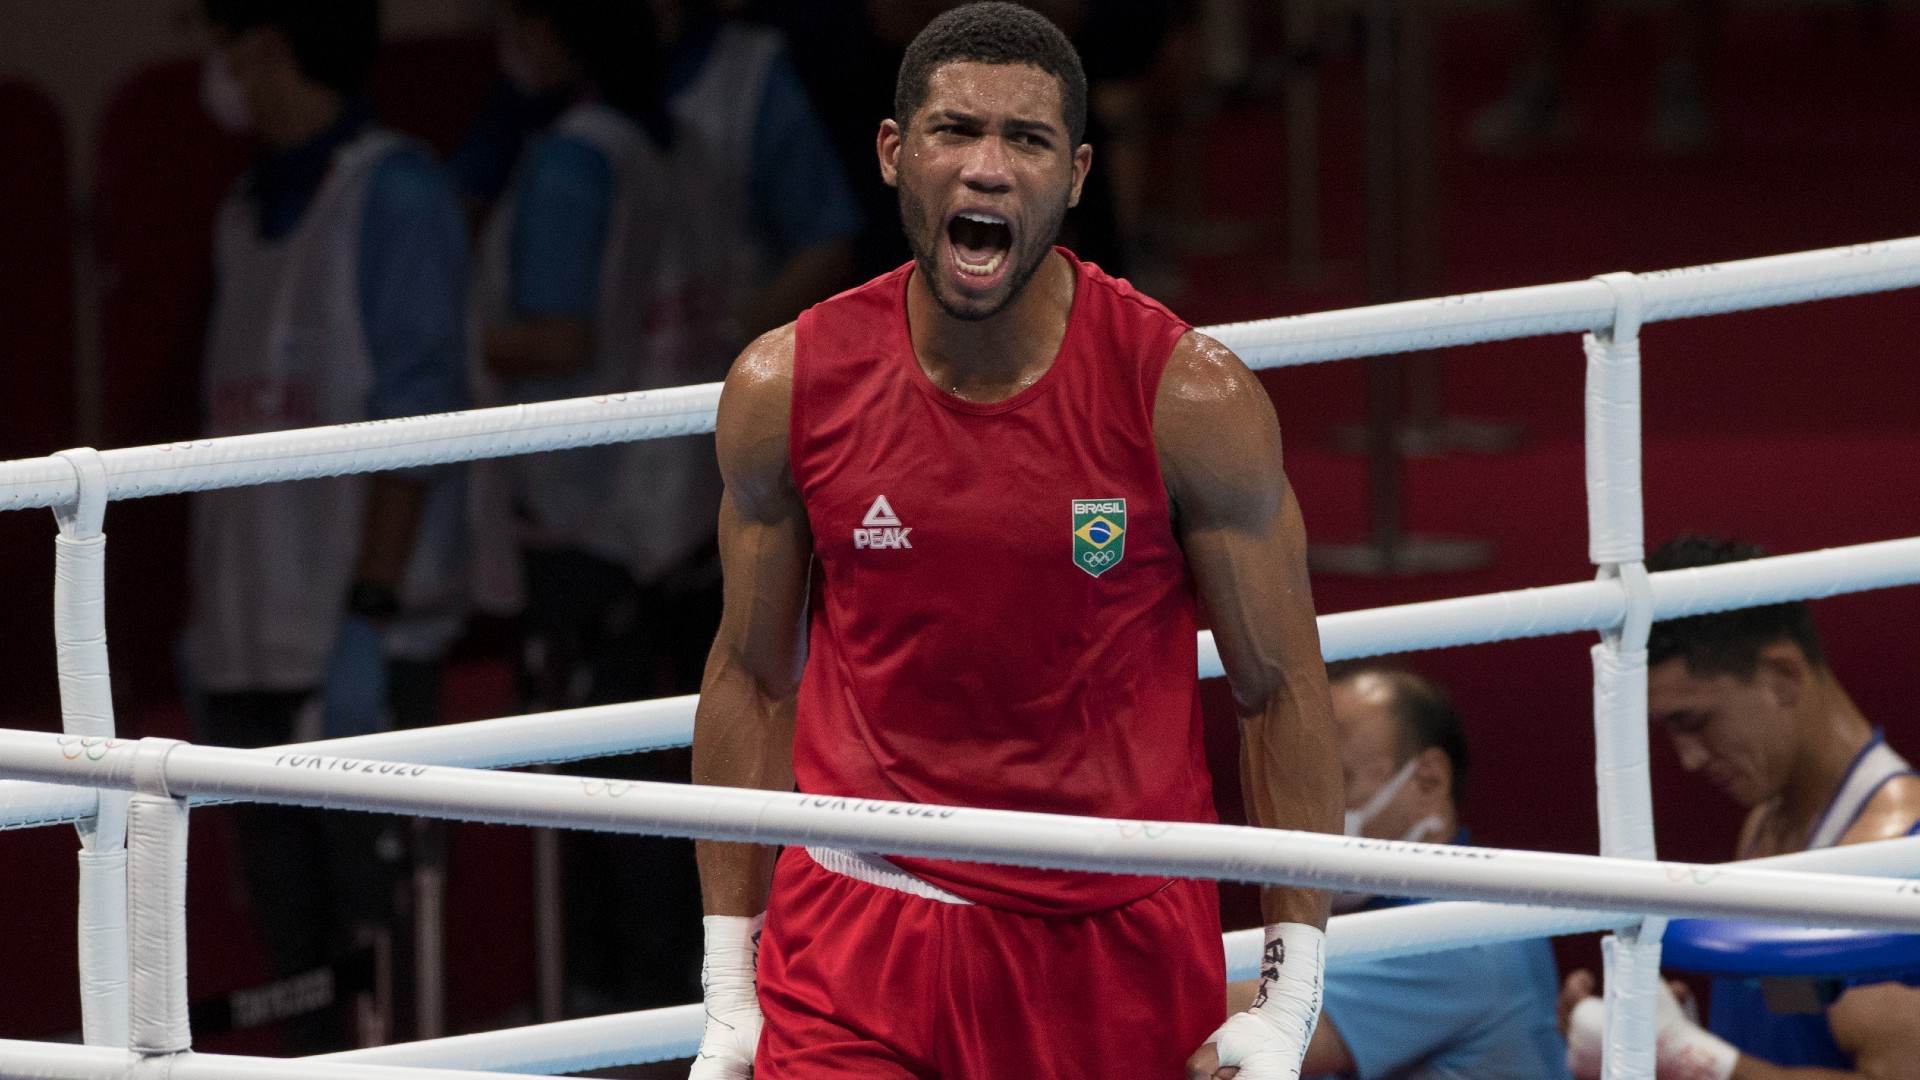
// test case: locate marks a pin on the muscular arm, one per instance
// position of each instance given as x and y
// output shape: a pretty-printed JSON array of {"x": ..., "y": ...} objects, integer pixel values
[
  {"x": 743, "y": 729},
  {"x": 1240, "y": 526},
  {"x": 1872, "y": 1024}
]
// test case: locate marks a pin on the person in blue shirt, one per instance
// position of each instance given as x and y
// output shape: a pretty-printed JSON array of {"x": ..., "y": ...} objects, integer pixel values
[
  {"x": 1479, "y": 1013},
  {"x": 1749, "y": 702},
  {"x": 322, "y": 607}
]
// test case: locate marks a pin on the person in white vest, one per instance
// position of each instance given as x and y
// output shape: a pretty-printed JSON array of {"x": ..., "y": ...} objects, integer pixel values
[
  {"x": 1749, "y": 702},
  {"x": 600, "y": 271},
  {"x": 322, "y": 607},
  {"x": 779, "y": 190}
]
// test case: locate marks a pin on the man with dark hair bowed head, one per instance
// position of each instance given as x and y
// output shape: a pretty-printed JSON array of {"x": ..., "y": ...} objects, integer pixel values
[
  {"x": 972, "y": 508},
  {"x": 1748, "y": 701}
]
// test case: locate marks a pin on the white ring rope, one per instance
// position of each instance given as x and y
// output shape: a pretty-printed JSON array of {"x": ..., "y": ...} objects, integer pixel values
[
  {"x": 1183, "y": 849},
  {"x": 79, "y": 483},
  {"x": 661, "y": 723},
  {"x": 370, "y": 446}
]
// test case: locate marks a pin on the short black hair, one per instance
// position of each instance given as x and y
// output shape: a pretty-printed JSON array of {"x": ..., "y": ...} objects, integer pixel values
[
  {"x": 992, "y": 32},
  {"x": 333, "y": 42},
  {"x": 1425, "y": 714},
  {"x": 1726, "y": 642}
]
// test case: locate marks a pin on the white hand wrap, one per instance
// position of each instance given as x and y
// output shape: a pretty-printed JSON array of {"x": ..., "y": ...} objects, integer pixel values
[
  {"x": 1269, "y": 1041},
  {"x": 732, "y": 1032},
  {"x": 1683, "y": 1050}
]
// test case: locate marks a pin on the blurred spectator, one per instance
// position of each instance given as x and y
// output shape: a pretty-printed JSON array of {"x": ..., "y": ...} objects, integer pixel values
[
  {"x": 493, "y": 142},
  {"x": 322, "y": 607},
  {"x": 779, "y": 190},
  {"x": 1752, "y": 706},
  {"x": 1534, "y": 115},
  {"x": 1486, "y": 1011},
  {"x": 600, "y": 272}
]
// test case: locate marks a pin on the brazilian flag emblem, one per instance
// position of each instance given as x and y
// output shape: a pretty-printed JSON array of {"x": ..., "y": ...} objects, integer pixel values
[{"x": 1099, "y": 534}]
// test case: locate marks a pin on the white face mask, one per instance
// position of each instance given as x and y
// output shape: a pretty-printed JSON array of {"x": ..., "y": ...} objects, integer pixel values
[
  {"x": 1357, "y": 821},
  {"x": 222, "y": 96}
]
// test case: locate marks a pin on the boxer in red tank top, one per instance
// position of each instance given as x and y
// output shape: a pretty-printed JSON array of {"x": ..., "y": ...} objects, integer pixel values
[{"x": 973, "y": 508}]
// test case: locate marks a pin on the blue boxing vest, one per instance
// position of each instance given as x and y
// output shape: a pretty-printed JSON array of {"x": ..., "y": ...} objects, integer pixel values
[{"x": 1739, "y": 1011}]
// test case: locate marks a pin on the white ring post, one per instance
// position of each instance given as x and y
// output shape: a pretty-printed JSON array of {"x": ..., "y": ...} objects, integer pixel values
[
  {"x": 86, "y": 709},
  {"x": 1616, "y": 544}
]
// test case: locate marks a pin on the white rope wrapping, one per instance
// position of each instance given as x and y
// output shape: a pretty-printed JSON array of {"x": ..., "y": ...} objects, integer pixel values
[
  {"x": 157, "y": 924},
  {"x": 1181, "y": 849},
  {"x": 1622, "y": 759},
  {"x": 1631, "y": 963},
  {"x": 86, "y": 709},
  {"x": 1615, "y": 533},
  {"x": 103, "y": 944},
  {"x": 80, "y": 634}
]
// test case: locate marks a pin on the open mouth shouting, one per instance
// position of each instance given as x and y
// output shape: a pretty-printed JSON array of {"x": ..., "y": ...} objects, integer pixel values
[{"x": 981, "y": 244}]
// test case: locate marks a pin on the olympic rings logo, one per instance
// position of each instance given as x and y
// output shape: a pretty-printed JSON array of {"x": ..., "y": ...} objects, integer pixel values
[
  {"x": 612, "y": 789},
  {"x": 1150, "y": 830},
  {"x": 1099, "y": 558},
  {"x": 93, "y": 747}
]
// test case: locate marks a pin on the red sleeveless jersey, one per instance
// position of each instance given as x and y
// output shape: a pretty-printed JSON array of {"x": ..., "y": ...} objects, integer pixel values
[{"x": 1001, "y": 616}]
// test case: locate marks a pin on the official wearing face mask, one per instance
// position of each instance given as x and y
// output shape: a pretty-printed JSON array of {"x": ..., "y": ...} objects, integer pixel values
[
  {"x": 1485, "y": 1012},
  {"x": 323, "y": 607}
]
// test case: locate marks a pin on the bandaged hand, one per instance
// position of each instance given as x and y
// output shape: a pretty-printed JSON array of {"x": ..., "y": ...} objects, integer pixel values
[
  {"x": 1269, "y": 1040},
  {"x": 1683, "y": 1050},
  {"x": 732, "y": 1031}
]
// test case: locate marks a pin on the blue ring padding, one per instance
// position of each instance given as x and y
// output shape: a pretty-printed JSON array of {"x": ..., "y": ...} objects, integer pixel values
[{"x": 1725, "y": 947}]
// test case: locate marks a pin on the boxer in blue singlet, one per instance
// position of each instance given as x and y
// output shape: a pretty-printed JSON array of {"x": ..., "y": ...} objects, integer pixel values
[{"x": 1748, "y": 701}]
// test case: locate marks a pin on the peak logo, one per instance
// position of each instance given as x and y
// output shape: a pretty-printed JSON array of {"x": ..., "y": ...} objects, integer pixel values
[{"x": 881, "y": 528}]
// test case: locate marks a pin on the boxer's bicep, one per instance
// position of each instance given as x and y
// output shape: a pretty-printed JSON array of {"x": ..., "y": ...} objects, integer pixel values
[
  {"x": 1238, "y": 522},
  {"x": 1874, "y": 1024},
  {"x": 1240, "y": 528},
  {"x": 765, "y": 544},
  {"x": 743, "y": 726}
]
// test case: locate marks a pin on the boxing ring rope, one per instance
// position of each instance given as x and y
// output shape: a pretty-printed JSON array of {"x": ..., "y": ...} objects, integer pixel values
[
  {"x": 665, "y": 723},
  {"x": 1621, "y": 603}
]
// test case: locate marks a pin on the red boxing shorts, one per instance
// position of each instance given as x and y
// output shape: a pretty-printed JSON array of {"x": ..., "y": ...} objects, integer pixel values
[{"x": 861, "y": 980}]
